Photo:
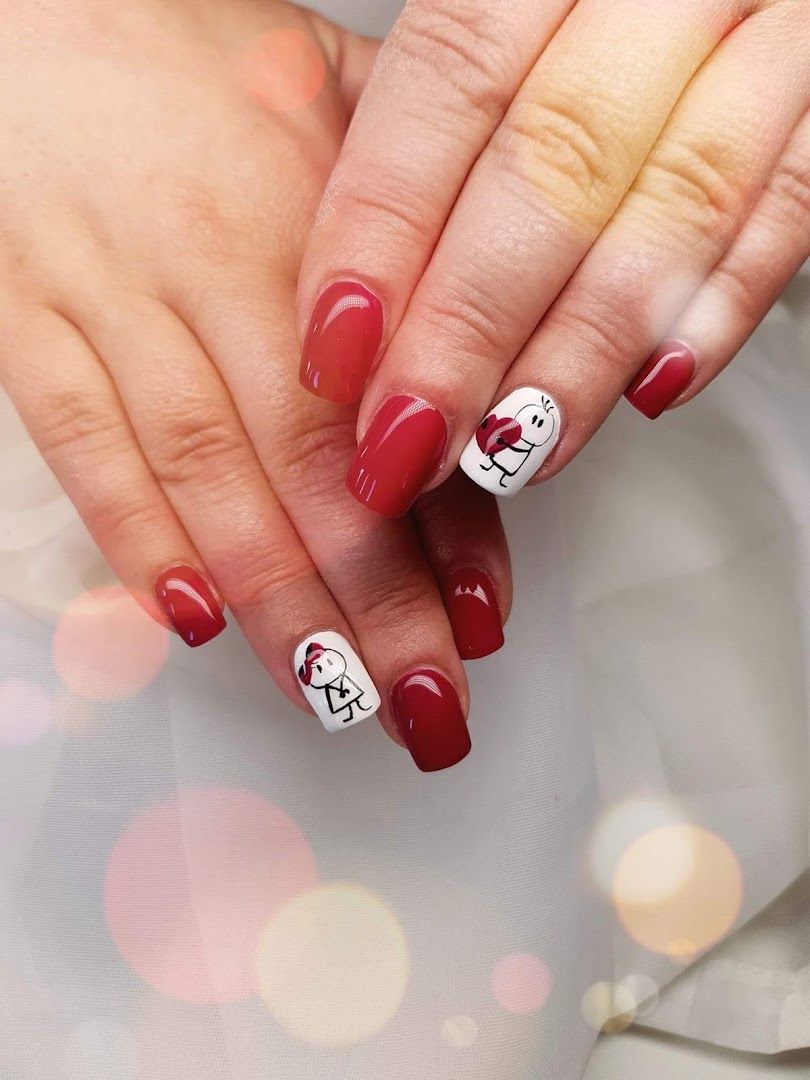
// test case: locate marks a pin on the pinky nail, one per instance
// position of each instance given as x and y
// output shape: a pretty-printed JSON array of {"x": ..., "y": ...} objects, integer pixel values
[
  {"x": 663, "y": 378},
  {"x": 189, "y": 604}
]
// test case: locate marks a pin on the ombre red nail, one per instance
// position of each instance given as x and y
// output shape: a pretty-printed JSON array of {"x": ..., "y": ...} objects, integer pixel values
[
  {"x": 342, "y": 342},
  {"x": 430, "y": 719},
  {"x": 401, "y": 451},
  {"x": 663, "y": 378},
  {"x": 189, "y": 604}
]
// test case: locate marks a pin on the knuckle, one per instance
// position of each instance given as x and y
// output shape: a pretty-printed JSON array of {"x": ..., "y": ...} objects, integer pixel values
[
  {"x": 386, "y": 601},
  {"x": 311, "y": 458},
  {"x": 197, "y": 446},
  {"x": 464, "y": 45},
  {"x": 118, "y": 519},
  {"x": 79, "y": 422},
  {"x": 557, "y": 151},
  {"x": 468, "y": 316},
  {"x": 790, "y": 186},
  {"x": 692, "y": 181},
  {"x": 399, "y": 211},
  {"x": 744, "y": 286},
  {"x": 605, "y": 332},
  {"x": 262, "y": 577}
]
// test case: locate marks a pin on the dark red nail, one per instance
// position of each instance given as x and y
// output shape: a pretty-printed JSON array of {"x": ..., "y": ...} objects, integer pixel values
[
  {"x": 430, "y": 720},
  {"x": 666, "y": 374},
  {"x": 472, "y": 608},
  {"x": 342, "y": 342},
  {"x": 188, "y": 602},
  {"x": 401, "y": 451}
]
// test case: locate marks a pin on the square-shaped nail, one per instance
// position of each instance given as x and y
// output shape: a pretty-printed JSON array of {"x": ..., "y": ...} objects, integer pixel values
[
  {"x": 430, "y": 719},
  {"x": 334, "y": 680},
  {"x": 189, "y": 604},
  {"x": 342, "y": 342},
  {"x": 663, "y": 378},
  {"x": 399, "y": 454},
  {"x": 472, "y": 607},
  {"x": 512, "y": 442}
]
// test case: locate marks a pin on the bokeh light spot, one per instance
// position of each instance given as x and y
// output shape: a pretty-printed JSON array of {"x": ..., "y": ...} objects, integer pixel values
[
  {"x": 191, "y": 883},
  {"x": 333, "y": 965},
  {"x": 619, "y": 826},
  {"x": 284, "y": 70},
  {"x": 608, "y": 1007},
  {"x": 105, "y": 646},
  {"x": 25, "y": 712},
  {"x": 677, "y": 890},
  {"x": 521, "y": 983},
  {"x": 644, "y": 992},
  {"x": 460, "y": 1032}
]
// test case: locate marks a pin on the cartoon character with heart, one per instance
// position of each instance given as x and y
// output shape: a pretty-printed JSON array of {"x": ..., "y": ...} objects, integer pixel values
[{"x": 509, "y": 443}]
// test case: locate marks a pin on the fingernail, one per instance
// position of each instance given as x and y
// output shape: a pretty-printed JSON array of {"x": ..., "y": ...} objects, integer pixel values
[
  {"x": 512, "y": 442},
  {"x": 401, "y": 451},
  {"x": 472, "y": 607},
  {"x": 663, "y": 378},
  {"x": 189, "y": 603},
  {"x": 334, "y": 680},
  {"x": 342, "y": 342},
  {"x": 430, "y": 720}
]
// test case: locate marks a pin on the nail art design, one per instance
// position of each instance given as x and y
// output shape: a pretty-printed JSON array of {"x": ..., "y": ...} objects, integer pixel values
[
  {"x": 334, "y": 680},
  {"x": 512, "y": 442}
]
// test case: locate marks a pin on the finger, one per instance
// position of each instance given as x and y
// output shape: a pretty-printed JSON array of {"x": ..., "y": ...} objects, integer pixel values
[
  {"x": 198, "y": 451},
  {"x": 443, "y": 81},
  {"x": 465, "y": 544},
  {"x": 569, "y": 148},
  {"x": 351, "y": 56},
  {"x": 739, "y": 292},
  {"x": 72, "y": 411},
  {"x": 689, "y": 202},
  {"x": 374, "y": 569}
]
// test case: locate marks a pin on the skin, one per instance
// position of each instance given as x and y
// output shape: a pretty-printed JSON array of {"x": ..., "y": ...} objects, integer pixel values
[
  {"x": 564, "y": 186},
  {"x": 163, "y": 161}
]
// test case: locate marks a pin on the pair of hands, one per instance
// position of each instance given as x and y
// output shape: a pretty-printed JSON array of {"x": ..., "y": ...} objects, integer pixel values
[{"x": 531, "y": 195}]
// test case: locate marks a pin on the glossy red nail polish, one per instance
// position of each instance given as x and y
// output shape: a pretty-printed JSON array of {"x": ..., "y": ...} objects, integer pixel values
[
  {"x": 401, "y": 451},
  {"x": 430, "y": 719},
  {"x": 666, "y": 374},
  {"x": 188, "y": 602},
  {"x": 472, "y": 607},
  {"x": 342, "y": 342}
]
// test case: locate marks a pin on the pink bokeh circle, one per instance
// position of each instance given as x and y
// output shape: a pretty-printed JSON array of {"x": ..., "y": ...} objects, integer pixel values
[
  {"x": 191, "y": 883},
  {"x": 521, "y": 983}
]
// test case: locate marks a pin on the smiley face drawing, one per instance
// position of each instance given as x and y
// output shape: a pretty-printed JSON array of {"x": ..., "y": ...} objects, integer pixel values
[{"x": 325, "y": 669}]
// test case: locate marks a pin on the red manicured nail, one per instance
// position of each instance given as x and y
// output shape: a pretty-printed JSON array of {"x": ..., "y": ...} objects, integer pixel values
[
  {"x": 666, "y": 374},
  {"x": 472, "y": 608},
  {"x": 342, "y": 342},
  {"x": 430, "y": 720},
  {"x": 188, "y": 602},
  {"x": 401, "y": 451}
]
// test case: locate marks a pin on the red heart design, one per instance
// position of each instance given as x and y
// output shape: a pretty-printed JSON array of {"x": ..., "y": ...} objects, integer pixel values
[{"x": 494, "y": 434}]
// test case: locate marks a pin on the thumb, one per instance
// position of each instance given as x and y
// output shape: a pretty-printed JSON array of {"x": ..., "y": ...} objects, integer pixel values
[{"x": 351, "y": 56}]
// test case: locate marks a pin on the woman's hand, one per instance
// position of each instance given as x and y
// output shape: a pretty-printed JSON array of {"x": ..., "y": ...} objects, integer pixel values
[
  {"x": 540, "y": 206},
  {"x": 162, "y": 163}
]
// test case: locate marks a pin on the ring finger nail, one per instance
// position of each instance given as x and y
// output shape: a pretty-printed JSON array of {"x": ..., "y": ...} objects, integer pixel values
[
  {"x": 472, "y": 608},
  {"x": 189, "y": 604},
  {"x": 663, "y": 378},
  {"x": 334, "y": 680},
  {"x": 513, "y": 441},
  {"x": 342, "y": 342},
  {"x": 401, "y": 451},
  {"x": 430, "y": 719}
]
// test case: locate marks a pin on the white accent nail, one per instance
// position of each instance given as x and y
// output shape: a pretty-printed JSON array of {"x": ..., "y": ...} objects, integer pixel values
[
  {"x": 334, "y": 680},
  {"x": 513, "y": 441}
]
